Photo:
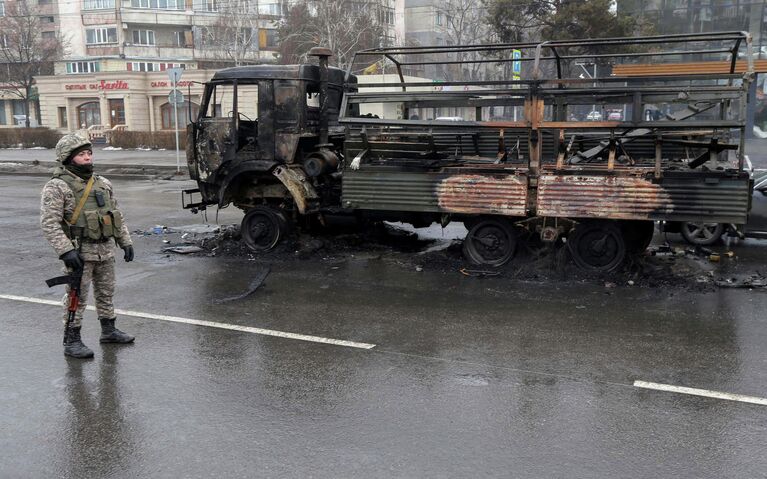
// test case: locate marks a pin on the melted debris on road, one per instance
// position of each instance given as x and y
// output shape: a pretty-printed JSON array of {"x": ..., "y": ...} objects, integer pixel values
[{"x": 695, "y": 269}]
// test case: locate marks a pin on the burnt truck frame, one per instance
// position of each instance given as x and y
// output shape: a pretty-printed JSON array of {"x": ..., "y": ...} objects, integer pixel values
[{"x": 678, "y": 156}]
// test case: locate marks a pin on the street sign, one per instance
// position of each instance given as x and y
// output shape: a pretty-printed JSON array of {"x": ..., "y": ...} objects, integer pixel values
[
  {"x": 175, "y": 97},
  {"x": 174, "y": 74},
  {"x": 516, "y": 65}
]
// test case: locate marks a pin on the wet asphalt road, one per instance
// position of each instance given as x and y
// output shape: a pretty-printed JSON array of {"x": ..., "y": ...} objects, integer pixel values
[{"x": 468, "y": 377}]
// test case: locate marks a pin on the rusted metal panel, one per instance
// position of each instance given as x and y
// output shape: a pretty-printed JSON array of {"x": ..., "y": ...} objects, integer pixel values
[
  {"x": 721, "y": 200},
  {"x": 688, "y": 68},
  {"x": 438, "y": 192}
]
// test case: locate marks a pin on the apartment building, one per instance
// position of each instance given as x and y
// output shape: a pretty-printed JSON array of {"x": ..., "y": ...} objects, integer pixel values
[
  {"x": 115, "y": 71},
  {"x": 12, "y": 111},
  {"x": 700, "y": 16}
]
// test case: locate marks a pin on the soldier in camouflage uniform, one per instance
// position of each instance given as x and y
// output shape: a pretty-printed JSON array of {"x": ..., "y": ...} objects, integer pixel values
[{"x": 80, "y": 219}]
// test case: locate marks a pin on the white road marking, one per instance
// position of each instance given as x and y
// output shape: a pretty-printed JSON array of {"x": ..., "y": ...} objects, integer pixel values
[
  {"x": 210, "y": 324},
  {"x": 701, "y": 392}
]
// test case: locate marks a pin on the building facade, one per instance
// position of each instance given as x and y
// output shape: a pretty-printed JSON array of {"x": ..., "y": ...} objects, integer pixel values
[
  {"x": 119, "y": 51},
  {"x": 47, "y": 19},
  {"x": 701, "y": 16}
]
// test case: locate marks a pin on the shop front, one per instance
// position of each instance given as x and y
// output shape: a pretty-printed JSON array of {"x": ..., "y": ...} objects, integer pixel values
[{"x": 136, "y": 101}]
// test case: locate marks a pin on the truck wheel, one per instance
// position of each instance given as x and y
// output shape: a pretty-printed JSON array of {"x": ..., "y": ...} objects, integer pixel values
[
  {"x": 597, "y": 246},
  {"x": 702, "y": 234},
  {"x": 490, "y": 242},
  {"x": 263, "y": 228}
]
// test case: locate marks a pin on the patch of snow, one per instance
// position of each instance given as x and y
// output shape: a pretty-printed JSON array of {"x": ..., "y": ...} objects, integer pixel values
[
  {"x": 433, "y": 232},
  {"x": 38, "y": 148},
  {"x": 112, "y": 148}
]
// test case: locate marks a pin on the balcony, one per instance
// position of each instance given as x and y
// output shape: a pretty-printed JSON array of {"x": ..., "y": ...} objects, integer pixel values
[
  {"x": 102, "y": 50},
  {"x": 161, "y": 52},
  {"x": 143, "y": 16}
]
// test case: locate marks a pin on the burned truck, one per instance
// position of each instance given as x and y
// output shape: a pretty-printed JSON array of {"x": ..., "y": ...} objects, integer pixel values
[{"x": 565, "y": 150}]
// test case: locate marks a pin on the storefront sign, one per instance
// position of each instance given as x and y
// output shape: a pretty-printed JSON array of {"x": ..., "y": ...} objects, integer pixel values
[
  {"x": 167, "y": 84},
  {"x": 102, "y": 85}
]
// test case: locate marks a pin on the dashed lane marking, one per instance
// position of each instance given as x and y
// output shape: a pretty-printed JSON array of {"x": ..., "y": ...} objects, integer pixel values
[
  {"x": 701, "y": 392},
  {"x": 209, "y": 324}
]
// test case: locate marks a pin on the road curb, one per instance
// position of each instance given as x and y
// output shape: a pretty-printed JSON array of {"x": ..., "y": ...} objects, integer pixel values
[{"x": 108, "y": 170}]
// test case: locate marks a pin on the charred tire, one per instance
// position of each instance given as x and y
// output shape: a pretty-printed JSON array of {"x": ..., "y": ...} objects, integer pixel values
[
  {"x": 637, "y": 235},
  {"x": 263, "y": 228},
  {"x": 702, "y": 234},
  {"x": 490, "y": 242},
  {"x": 597, "y": 246}
]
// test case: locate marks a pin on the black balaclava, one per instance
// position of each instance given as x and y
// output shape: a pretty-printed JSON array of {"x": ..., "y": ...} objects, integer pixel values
[{"x": 83, "y": 171}]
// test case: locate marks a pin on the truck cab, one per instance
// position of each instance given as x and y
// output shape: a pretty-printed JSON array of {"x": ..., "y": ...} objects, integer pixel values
[{"x": 254, "y": 119}]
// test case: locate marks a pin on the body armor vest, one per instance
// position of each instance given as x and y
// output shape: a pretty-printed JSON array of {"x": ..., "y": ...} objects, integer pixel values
[{"x": 99, "y": 219}]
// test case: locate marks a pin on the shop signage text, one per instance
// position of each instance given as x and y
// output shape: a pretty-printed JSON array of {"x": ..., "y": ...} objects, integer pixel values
[
  {"x": 102, "y": 85},
  {"x": 167, "y": 84}
]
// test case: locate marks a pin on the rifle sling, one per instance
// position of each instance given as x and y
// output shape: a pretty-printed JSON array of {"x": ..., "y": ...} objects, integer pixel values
[{"x": 80, "y": 205}]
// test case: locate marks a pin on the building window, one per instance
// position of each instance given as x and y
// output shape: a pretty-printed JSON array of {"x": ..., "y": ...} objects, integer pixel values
[
  {"x": 165, "y": 66},
  {"x": 3, "y": 120},
  {"x": 267, "y": 38},
  {"x": 182, "y": 38},
  {"x": 143, "y": 67},
  {"x": 274, "y": 9},
  {"x": 386, "y": 16},
  {"x": 439, "y": 20},
  {"x": 152, "y": 67},
  {"x": 3, "y": 40},
  {"x": 62, "y": 117},
  {"x": 18, "y": 107},
  {"x": 160, "y": 4},
  {"x": 83, "y": 67},
  {"x": 48, "y": 35},
  {"x": 166, "y": 111},
  {"x": 116, "y": 112},
  {"x": 210, "y": 5},
  {"x": 143, "y": 37},
  {"x": 89, "y": 114},
  {"x": 98, "y": 4},
  {"x": 46, "y": 19},
  {"x": 95, "y": 36},
  {"x": 2, "y": 9},
  {"x": 43, "y": 2}
]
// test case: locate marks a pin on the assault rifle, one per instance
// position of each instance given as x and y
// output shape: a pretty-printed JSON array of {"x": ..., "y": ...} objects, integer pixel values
[{"x": 73, "y": 279}]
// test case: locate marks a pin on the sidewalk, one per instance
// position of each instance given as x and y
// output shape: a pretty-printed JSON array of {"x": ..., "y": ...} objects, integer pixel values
[{"x": 125, "y": 162}]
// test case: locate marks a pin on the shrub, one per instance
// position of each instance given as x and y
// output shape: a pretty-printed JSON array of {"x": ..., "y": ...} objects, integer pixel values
[
  {"x": 147, "y": 139},
  {"x": 28, "y": 137}
]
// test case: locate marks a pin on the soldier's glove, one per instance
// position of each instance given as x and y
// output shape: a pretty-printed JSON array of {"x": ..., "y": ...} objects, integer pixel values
[
  {"x": 72, "y": 260},
  {"x": 128, "y": 253}
]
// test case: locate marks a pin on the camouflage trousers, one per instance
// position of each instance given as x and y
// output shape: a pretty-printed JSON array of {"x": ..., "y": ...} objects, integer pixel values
[{"x": 102, "y": 275}]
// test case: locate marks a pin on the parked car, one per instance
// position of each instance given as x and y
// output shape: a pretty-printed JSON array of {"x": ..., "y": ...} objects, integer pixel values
[
  {"x": 704, "y": 234},
  {"x": 615, "y": 115},
  {"x": 594, "y": 116}
]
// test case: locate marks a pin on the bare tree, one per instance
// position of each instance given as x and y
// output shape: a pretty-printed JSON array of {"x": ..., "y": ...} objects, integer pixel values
[
  {"x": 463, "y": 22},
  {"x": 24, "y": 52},
  {"x": 235, "y": 32},
  {"x": 343, "y": 26}
]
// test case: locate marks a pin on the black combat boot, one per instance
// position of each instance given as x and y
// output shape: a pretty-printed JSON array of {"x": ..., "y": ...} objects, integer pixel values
[
  {"x": 110, "y": 334},
  {"x": 73, "y": 345}
]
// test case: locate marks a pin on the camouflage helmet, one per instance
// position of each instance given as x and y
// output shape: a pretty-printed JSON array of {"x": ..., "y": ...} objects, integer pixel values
[{"x": 68, "y": 144}]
